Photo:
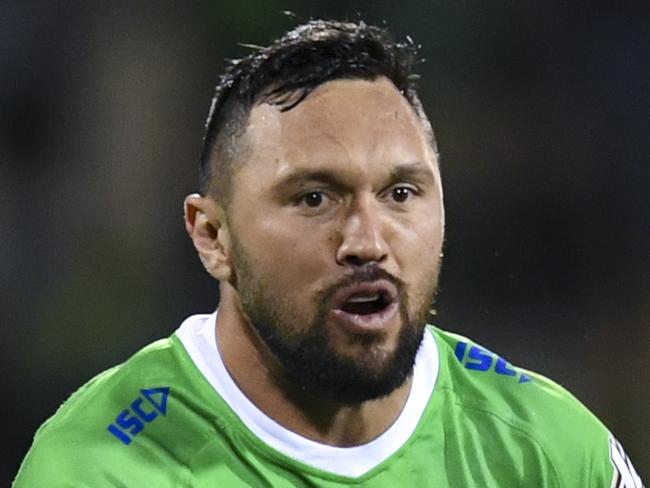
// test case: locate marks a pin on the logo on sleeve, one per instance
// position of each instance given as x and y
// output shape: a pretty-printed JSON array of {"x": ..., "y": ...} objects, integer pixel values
[
  {"x": 142, "y": 411},
  {"x": 625, "y": 475},
  {"x": 479, "y": 359}
]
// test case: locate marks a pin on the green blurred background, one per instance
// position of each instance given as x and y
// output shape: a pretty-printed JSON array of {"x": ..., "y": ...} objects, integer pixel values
[{"x": 542, "y": 113}]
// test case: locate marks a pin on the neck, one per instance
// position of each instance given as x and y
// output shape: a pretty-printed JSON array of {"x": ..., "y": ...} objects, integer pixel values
[{"x": 263, "y": 380}]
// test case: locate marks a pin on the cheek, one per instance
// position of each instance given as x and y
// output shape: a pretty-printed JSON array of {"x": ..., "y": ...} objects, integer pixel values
[
  {"x": 418, "y": 258},
  {"x": 289, "y": 255},
  {"x": 418, "y": 243}
]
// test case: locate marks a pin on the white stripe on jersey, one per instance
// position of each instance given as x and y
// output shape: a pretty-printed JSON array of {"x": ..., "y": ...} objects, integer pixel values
[{"x": 624, "y": 474}]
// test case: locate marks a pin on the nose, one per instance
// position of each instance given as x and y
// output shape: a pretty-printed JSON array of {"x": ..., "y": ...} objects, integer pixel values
[{"x": 362, "y": 239}]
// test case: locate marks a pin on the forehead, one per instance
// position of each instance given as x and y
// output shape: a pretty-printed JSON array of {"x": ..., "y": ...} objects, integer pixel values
[{"x": 342, "y": 124}]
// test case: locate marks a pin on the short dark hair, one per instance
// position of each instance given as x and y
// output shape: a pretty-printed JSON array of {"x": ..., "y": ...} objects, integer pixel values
[{"x": 285, "y": 72}]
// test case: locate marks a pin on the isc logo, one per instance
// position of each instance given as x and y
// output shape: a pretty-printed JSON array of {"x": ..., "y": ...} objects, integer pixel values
[
  {"x": 144, "y": 409},
  {"x": 480, "y": 359}
]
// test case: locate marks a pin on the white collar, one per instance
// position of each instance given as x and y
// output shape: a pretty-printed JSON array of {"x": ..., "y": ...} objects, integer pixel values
[{"x": 197, "y": 333}]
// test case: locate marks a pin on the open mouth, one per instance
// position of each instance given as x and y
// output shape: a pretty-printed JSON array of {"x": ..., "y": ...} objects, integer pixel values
[
  {"x": 366, "y": 308},
  {"x": 365, "y": 303},
  {"x": 366, "y": 298}
]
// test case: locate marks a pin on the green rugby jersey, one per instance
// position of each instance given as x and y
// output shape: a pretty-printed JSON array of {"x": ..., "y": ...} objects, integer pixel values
[{"x": 171, "y": 416}]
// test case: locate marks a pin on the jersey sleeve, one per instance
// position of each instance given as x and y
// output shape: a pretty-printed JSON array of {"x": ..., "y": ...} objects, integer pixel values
[
  {"x": 120, "y": 429},
  {"x": 625, "y": 476},
  {"x": 582, "y": 450},
  {"x": 75, "y": 448},
  {"x": 544, "y": 427},
  {"x": 56, "y": 460}
]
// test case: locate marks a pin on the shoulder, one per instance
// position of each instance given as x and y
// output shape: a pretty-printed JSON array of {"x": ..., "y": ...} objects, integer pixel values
[
  {"x": 122, "y": 424},
  {"x": 527, "y": 408}
]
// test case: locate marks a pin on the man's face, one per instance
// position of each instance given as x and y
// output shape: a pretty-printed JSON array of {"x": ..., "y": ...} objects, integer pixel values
[{"x": 337, "y": 228}]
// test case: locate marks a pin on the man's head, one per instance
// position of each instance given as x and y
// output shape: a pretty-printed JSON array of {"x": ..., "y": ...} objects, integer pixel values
[{"x": 327, "y": 239}]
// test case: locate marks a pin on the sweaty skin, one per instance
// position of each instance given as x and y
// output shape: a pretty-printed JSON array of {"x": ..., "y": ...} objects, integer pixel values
[{"x": 347, "y": 177}]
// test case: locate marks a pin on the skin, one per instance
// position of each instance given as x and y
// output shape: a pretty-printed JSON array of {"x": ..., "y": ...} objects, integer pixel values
[{"x": 381, "y": 204}]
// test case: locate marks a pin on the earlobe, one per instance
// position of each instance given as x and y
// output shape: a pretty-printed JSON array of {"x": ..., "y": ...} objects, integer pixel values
[{"x": 207, "y": 227}]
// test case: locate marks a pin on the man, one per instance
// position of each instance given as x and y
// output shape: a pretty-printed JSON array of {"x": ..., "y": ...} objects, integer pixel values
[{"x": 321, "y": 216}]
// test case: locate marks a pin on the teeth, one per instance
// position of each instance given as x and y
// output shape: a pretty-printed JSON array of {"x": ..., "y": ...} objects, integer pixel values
[{"x": 363, "y": 298}]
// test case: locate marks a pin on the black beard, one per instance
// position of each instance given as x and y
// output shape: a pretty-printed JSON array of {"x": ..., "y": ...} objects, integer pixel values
[{"x": 312, "y": 364}]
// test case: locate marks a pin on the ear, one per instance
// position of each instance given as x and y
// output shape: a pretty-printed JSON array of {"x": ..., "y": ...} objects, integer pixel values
[{"x": 205, "y": 222}]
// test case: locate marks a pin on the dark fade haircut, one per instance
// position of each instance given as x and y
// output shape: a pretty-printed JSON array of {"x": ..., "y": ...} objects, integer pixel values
[{"x": 288, "y": 70}]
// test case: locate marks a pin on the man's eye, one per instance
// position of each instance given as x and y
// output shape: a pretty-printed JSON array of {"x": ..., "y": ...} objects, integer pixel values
[
  {"x": 401, "y": 194},
  {"x": 313, "y": 199}
]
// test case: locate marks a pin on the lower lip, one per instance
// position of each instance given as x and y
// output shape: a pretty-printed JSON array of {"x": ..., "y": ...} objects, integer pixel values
[{"x": 368, "y": 323}]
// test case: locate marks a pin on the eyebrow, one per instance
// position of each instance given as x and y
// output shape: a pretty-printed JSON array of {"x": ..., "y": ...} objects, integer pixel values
[
  {"x": 417, "y": 172},
  {"x": 300, "y": 177}
]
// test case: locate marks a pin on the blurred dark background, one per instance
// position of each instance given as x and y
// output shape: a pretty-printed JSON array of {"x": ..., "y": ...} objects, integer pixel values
[{"x": 542, "y": 113}]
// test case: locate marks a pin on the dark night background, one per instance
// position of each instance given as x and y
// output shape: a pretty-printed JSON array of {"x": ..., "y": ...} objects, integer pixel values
[{"x": 542, "y": 114}]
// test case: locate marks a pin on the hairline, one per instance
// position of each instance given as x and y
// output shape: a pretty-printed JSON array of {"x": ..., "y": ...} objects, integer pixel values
[{"x": 233, "y": 142}]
